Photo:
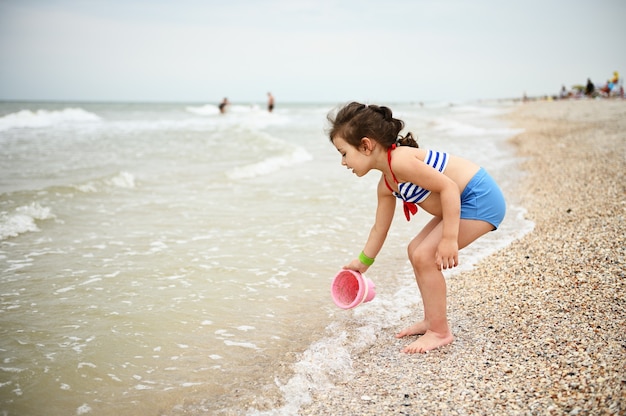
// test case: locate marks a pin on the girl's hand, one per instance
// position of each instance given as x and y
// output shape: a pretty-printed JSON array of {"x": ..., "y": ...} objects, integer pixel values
[
  {"x": 447, "y": 255},
  {"x": 356, "y": 265}
]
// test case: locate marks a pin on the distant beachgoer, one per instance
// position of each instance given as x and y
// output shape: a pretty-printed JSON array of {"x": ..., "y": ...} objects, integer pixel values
[
  {"x": 564, "y": 93},
  {"x": 270, "y": 102},
  {"x": 614, "y": 84},
  {"x": 611, "y": 84},
  {"x": 223, "y": 105},
  {"x": 606, "y": 88},
  {"x": 463, "y": 198},
  {"x": 590, "y": 88}
]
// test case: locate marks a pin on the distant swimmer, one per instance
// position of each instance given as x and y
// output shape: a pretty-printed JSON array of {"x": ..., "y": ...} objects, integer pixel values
[
  {"x": 223, "y": 105},
  {"x": 270, "y": 102}
]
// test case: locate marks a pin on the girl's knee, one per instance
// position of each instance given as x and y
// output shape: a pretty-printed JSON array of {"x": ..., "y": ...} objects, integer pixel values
[
  {"x": 420, "y": 257},
  {"x": 410, "y": 249}
]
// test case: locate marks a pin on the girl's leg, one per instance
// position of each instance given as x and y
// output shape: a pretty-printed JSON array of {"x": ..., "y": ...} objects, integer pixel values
[
  {"x": 419, "y": 328},
  {"x": 432, "y": 285}
]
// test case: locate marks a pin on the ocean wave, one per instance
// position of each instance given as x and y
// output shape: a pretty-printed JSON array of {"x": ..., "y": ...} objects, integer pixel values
[
  {"x": 123, "y": 180},
  {"x": 270, "y": 165},
  {"x": 22, "y": 220},
  {"x": 204, "y": 110},
  {"x": 46, "y": 118}
]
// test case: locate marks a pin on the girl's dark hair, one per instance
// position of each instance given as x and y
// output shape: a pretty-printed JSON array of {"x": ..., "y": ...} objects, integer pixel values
[{"x": 355, "y": 121}]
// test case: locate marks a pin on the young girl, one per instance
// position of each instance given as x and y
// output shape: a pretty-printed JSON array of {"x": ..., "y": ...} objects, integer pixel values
[{"x": 464, "y": 200}]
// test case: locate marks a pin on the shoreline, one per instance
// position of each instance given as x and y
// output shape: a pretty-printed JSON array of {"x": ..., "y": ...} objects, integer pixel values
[{"x": 539, "y": 325}]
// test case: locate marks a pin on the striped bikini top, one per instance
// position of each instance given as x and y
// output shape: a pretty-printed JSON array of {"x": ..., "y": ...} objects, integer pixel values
[{"x": 408, "y": 192}]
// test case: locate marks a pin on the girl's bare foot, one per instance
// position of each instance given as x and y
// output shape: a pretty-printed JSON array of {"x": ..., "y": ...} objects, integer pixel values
[
  {"x": 419, "y": 328},
  {"x": 429, "y": 341}
]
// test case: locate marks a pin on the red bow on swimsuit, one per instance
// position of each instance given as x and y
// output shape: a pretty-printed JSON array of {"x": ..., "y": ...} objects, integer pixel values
[{"x": 410, "y": 208}]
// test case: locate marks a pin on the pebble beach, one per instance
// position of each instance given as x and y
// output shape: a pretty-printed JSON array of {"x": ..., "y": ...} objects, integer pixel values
[{"x": 539, "y": 326}]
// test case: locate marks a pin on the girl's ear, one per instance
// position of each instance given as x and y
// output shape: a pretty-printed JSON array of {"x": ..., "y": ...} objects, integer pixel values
[{"x": 367, "y": 145}]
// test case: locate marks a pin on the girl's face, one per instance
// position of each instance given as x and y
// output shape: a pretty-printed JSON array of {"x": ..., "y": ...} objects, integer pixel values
[{"x": 353, "y": 158}]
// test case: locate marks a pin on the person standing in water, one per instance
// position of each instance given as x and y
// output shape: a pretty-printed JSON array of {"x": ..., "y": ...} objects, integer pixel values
[
  {"x": 270, "y": 102},
  {"x": 223, "y": 105}
]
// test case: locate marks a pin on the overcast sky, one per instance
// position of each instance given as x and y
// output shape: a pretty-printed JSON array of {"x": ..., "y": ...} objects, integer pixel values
[{"x": 305, "y": 50}]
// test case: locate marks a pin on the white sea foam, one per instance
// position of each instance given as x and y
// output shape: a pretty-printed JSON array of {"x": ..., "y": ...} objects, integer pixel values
[
  {"x": 122, "y": 180},
  {"x": 223, "y": 333},
  {"x": 12, "y": 369},
  {"x": 211, "y": 109},
  {"x": 83, "y": 409},
  {"x": 270, "y": 165},
  {"x": 65, "y": 289},
  {"x": 46, "y": 118},
  {"x": 204, "y": 110},
  {"x": 190, "y": 384},
  {"x": 22, "y": 220},
  {"x": 241, "y": 344},
  {"x": 114, "y": 377},
  {"x": 245, "y": 328},
  {"x": 328, "y": 361}
]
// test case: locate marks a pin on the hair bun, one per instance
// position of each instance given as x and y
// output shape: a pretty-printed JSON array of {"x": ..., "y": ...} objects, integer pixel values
[
  {"x": 407, "y": 140},
  {"x": 386, "y": 112}
]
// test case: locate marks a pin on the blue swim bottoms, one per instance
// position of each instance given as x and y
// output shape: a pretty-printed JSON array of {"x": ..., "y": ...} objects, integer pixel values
[{"x": 482, "y": 200}]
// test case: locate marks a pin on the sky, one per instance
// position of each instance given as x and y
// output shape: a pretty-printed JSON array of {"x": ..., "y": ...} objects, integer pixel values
[{"x": 305, "y": 50}]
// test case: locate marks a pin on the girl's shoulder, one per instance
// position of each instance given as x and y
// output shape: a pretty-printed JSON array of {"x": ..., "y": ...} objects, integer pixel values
[
  {"x": 408, "y": 153},
  {"x": 407, "y": 159}
]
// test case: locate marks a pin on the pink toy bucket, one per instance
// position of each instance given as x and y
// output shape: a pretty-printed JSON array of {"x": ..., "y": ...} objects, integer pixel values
[{"x": 350, "y": 288}]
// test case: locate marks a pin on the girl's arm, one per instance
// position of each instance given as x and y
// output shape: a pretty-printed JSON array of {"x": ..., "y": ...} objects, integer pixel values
[
  {"x": 378, "y": 234},
  {"x": 448, "y": 249}
]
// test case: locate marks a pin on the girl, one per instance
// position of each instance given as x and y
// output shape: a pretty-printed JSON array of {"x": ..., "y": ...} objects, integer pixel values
[{"x": 464, "y": 200}]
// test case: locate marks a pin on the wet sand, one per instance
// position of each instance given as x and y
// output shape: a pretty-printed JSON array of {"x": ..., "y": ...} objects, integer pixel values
[{"x": 540, "y": 326}]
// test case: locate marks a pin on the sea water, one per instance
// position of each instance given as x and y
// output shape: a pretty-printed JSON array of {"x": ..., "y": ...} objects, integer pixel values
[{"x": 164, "y": 259}]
